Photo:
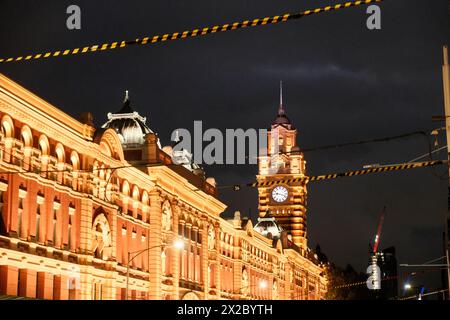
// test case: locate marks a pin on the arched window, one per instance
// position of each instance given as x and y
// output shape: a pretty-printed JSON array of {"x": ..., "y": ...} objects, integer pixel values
[
  {"x": 7, "y": 127},
  {"x": 60, "y": 166},
  {"x": 75, "y": 162}
]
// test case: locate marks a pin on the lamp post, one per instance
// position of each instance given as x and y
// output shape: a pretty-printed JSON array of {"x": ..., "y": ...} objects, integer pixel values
[
  {"x": 421, "y": 289},
  {"x": 178, "y": 244}
]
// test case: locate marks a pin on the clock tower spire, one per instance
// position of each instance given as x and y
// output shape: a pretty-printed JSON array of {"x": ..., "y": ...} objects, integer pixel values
[{"x": 285, "y": 202}]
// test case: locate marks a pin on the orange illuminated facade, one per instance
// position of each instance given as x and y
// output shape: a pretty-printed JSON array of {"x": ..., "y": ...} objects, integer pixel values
[{"x": 75, "y": 200}]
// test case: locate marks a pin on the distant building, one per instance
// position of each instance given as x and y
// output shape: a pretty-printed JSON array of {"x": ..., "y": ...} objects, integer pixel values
[{"x": 387, "y": 262}]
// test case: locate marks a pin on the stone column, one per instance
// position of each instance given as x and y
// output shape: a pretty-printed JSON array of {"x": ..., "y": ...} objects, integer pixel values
[
  {"x": 155, "y": 242},
  {"x": 175, "y": 253},
  {"x": 27, "y": 285},
  {"x": 218, "y": 268},
  {"x": 86, "y": 226},
  {"x": 86, "y": 284},
  {"x": 204, "y": 256},
  {"x": 237, "y": 276},
  {"x": 288, "y": 293},
  {"x": 45, "y": 286},
  {"x": 9, "y": 276},
  {"x": 61, "y": 288}
]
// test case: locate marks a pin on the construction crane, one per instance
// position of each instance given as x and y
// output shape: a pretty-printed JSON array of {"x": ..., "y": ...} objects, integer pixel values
[
  {"x": 380, "y": 227},
  {"x": 374, "y": 281}
]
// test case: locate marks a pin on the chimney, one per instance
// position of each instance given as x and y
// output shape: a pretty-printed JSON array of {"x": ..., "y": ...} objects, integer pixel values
[
  {"x": 237, "y": 220},
  {"x": 87, "y": 118},
  {"x": 150, "y": 150}
]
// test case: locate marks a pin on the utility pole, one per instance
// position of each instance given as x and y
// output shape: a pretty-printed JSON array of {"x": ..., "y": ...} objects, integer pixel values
[{"x": 446, "y": 82}]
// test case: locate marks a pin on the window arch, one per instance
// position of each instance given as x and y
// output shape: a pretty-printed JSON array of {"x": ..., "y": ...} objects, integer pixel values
[
  {"x": 60, "y": 153},
  {"x": 44, "y": 145},
  {"x": 145, "y": 198},
  {"x": 75, "y": 160},
  {"x": 135, "y": 193},
  {"x": 126, "y": 188},
  {"x": 27, "y": 136},
  {"x": 7, "y": 126}
]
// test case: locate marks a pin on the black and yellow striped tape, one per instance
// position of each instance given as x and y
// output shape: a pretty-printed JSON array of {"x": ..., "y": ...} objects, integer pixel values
[
  {"x": 406, "y": 166},
  {"x": 354, "y": 284},
  {"x": 187, "y": 34}
]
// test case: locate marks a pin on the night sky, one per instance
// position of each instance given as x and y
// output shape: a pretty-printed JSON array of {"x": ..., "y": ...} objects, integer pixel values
[{"x": 342, "y": 83}]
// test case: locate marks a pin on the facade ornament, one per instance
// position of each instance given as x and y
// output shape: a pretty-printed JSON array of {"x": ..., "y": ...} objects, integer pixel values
[
  {"x": 211, "y": 238},
  {"x": 167, "y": 216},
  {"x": 101, "y": 243},
  {"x": 275, "y": 290},
  {"x": 244, "y": 282}
]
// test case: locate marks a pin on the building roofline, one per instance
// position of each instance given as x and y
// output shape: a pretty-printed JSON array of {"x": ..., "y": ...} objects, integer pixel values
[{"x": 33, "y": 102}]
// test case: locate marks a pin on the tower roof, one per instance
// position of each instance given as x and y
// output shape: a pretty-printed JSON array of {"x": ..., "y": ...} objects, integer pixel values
[{"x": 129, "y": 125}]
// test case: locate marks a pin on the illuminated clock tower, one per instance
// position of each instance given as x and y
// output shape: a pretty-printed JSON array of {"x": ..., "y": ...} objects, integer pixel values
[{"x": 285, "y": 202}]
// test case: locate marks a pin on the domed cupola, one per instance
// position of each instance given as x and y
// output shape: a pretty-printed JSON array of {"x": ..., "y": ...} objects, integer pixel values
[{"x": 129, "y": 125}]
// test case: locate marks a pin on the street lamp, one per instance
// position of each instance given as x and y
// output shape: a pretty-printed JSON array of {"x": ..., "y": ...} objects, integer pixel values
[
  {"x": 421, "y": 289},
  {"x": 177, "y": 244},
  {"x": 263, "y": 284}
]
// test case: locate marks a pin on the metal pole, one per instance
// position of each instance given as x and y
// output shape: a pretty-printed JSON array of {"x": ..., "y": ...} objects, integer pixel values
[
  {"x": 128, "y": 275},
  {"x": 446, "y": 83},
  {"x": 448, "y": 271}
]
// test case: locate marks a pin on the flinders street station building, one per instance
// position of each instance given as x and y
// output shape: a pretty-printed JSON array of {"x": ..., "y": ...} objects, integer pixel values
[{"x": 105, "y": 214}]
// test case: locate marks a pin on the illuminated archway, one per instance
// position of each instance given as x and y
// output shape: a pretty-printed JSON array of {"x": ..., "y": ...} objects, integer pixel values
[{"x": 190, "y": 296}]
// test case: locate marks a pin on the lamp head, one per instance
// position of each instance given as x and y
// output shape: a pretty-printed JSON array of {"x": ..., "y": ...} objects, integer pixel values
[{"x": 178, "y": 244}]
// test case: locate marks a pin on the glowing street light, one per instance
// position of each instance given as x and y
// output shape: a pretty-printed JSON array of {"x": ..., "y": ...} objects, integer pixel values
[
  {"x": 407, "y": 286},
  {"x": 178, "y": 244},
  {"x": 263, "y": 284}
]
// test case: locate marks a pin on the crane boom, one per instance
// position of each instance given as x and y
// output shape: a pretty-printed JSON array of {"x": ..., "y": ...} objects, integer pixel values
[{"x": 380, "y": 227}]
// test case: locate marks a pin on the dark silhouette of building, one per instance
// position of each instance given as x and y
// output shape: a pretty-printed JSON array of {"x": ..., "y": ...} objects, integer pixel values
[
  {"x": 387, "y": 262},
  {"x": 388, "y": 266}
]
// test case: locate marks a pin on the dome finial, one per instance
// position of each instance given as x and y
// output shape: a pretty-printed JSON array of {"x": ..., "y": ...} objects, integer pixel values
[
  {"x": 281, "y": 109},
  {"x": 127, "y": 97}
]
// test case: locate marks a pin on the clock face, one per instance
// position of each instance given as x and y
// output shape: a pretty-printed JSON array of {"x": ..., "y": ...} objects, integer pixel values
[{"x": 280, "y": 194}]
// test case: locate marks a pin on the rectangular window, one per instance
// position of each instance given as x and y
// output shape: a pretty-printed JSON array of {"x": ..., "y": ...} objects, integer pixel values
[
  {"x": 18, "y": 282},
  {"x": 55, "y": 220},
  {"x": 38, "y": 223},
  {"x": 1, "y": 202},
  {"x": 97, "y": 291},
  {"x": 69, "y": 233},
  {"x": 2, "y": 223},
  {"x": 72, "y": 288},
  {"x": 38, "y": 287},
  {"x": 19, "y": 217}
]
